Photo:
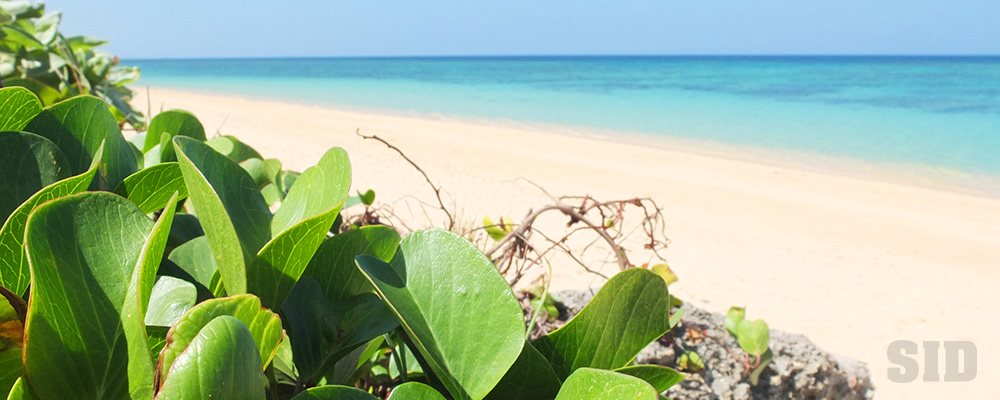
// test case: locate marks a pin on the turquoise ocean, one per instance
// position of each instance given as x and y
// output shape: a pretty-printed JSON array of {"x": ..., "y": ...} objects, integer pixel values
[{"x": 932, "y": 121}]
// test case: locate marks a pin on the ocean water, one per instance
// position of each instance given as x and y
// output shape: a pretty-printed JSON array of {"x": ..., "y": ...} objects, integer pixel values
[{"x": 926, "y": 120}]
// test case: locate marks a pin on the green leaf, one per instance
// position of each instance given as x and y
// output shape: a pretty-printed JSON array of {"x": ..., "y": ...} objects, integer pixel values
[
  {"x": 662, "y": 378},
  {"x": 231, "y": 209},
  {"x": 45, "y": 93},
  {"x": 14, "y": 273},
  {"x": 368, "y": 197},
  {"x": 79, "y": 126},
  {"x": 79, "y": 43},
  {"x": 596, "y": 384},
  {"x": 627, "y": 314},
  {"x": 414, "y": 391},
  {"x": 734, "y": 316},
  {"x": 22, "y": 390},
  {"x": 170, "y": 299},
  {"x": 334, "y": 393},
  {"x": 264, "y": 325},
  {"x": 173, "y": 123},
  {"x": 459, "y": 312},
  {"x": 317, "y": 191},
  {"x": 299, "y": 227},
  {"x": 255, "y": 167},
  {"x": 17, "y": 107},
  {"x": 664, "y": 271},
  {"x": 333, "y": 265},
  {"x": 691, "y": 361},
  {"x": 530, "y": 378},
  {"x": 753, "y": 336},
  {"x": 29, "y": 162},
  {"x": 152, "y": 187},
  {"x": 22, "y": 9},
  {"x": 220, "y": 362},
  {"x": 233, "y": 148},
  {"x": 323, "y": 330},
  {"x": 86, "y": 342},
  {"x": 195, "y": 257}
]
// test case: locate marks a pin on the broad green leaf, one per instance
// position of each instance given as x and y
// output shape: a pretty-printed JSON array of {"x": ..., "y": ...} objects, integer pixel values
[
  {"x": 627, "y": 314},
  {"x": 264, "y": 325},
  {"x": 17, "y": 107},
  {"x": 29, "y": 162},
  {"x": 173, "y": 122},
  {"x": 596, "y": 384},
  {"x": 323, "y": 330},
  {"x": 662, "y": 378},
  {"x": 195, "y": 257},
  {"x": 79, "y": 126},
  {"x": 14, "y": 273},
  {"x": 45, "y": 93},
  {"x": 152, "y": 187},
  {"x": 299, "y": 227},
  {"x": 414, "y": 391},
  {"x": 459, "y": 312},
  {"x": 233, "y": 148},
  {"x": 333, "y": 265},
  {"x": 318, "y": 190},
  {"x": 255, "y": 167},
  {"x": 231, "y": 209},
  {"x": 86, "y": 342},
  {"x": 185, "y": 228},
  {"x": 753, "y": 336},
  {"x": 334, "y": 393},
  {"x": 140, "y": 355},
  {"x": 220, "y": 362},
  {"x": 734, "y": 316},
  {"x": 170, "y": 299},
  {"x": 530, "y": 378}
]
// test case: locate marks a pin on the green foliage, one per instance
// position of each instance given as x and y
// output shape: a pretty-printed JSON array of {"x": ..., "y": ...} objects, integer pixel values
[
  {"x": 595, "y": 384},
  {"x": 36, "y": 56},
  {"x": 182, "y": 283},
  {"x": 753, "y": 337}
]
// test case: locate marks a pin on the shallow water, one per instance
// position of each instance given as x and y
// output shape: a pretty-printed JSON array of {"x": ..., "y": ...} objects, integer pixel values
[{"x": 927, "y": 120}]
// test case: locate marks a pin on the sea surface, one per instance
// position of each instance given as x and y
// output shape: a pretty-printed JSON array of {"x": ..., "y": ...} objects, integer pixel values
[{"x": 926, "y": 120}]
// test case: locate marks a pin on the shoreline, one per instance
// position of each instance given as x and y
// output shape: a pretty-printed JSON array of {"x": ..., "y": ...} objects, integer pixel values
[
  {"x": 897, "y": 173},
  {"x": 853, "y": 264}
]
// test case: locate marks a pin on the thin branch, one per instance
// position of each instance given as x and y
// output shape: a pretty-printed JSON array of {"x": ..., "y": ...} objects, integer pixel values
[{"x": 437, "y": 189}]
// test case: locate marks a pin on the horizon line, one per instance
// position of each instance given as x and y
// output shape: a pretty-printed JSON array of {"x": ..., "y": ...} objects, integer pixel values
[{"x": 484, "y": 56}]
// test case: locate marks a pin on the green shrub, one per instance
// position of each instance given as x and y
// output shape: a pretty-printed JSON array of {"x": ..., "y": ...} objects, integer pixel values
[{"x": 162, "y": 272}]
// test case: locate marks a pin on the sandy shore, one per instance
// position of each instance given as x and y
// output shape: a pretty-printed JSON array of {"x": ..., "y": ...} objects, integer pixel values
[{"x": 853, "y": 264}]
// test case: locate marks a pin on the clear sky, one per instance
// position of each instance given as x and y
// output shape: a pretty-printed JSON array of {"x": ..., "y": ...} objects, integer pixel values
[{"x": 258, "y": 28}]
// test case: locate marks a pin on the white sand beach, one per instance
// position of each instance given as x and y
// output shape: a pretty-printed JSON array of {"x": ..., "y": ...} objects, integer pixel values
[{"x": 853, "y": 264}]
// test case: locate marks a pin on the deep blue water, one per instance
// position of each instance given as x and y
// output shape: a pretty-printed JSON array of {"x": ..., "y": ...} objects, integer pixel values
[{"x": 935, "y": 119}]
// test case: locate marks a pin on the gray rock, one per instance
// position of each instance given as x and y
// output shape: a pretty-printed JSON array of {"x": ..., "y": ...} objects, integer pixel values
[{"x": 798, "y": 370}]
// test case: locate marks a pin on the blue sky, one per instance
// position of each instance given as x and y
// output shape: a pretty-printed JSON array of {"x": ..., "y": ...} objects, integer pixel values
[{"x": 257, "y": 28}]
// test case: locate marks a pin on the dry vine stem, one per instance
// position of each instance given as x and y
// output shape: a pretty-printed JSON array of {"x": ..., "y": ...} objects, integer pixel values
[
  {"x": 517, "y": 252},
  {"x": 513, "y": 250},
  {"x": 437, "y": 189}
]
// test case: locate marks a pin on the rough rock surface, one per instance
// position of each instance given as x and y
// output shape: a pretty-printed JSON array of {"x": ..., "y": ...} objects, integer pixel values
[{"x": 799, "y": 369}]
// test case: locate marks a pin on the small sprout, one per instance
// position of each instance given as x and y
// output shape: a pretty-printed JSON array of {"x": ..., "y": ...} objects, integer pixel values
[
  {"x": 733, "y": 318},
  {"x": 498, "y": 231},
  {"x": 691, "y": 361},
  {"x": 368, "y": 197},
  {"x": 753, "y": 336}
]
